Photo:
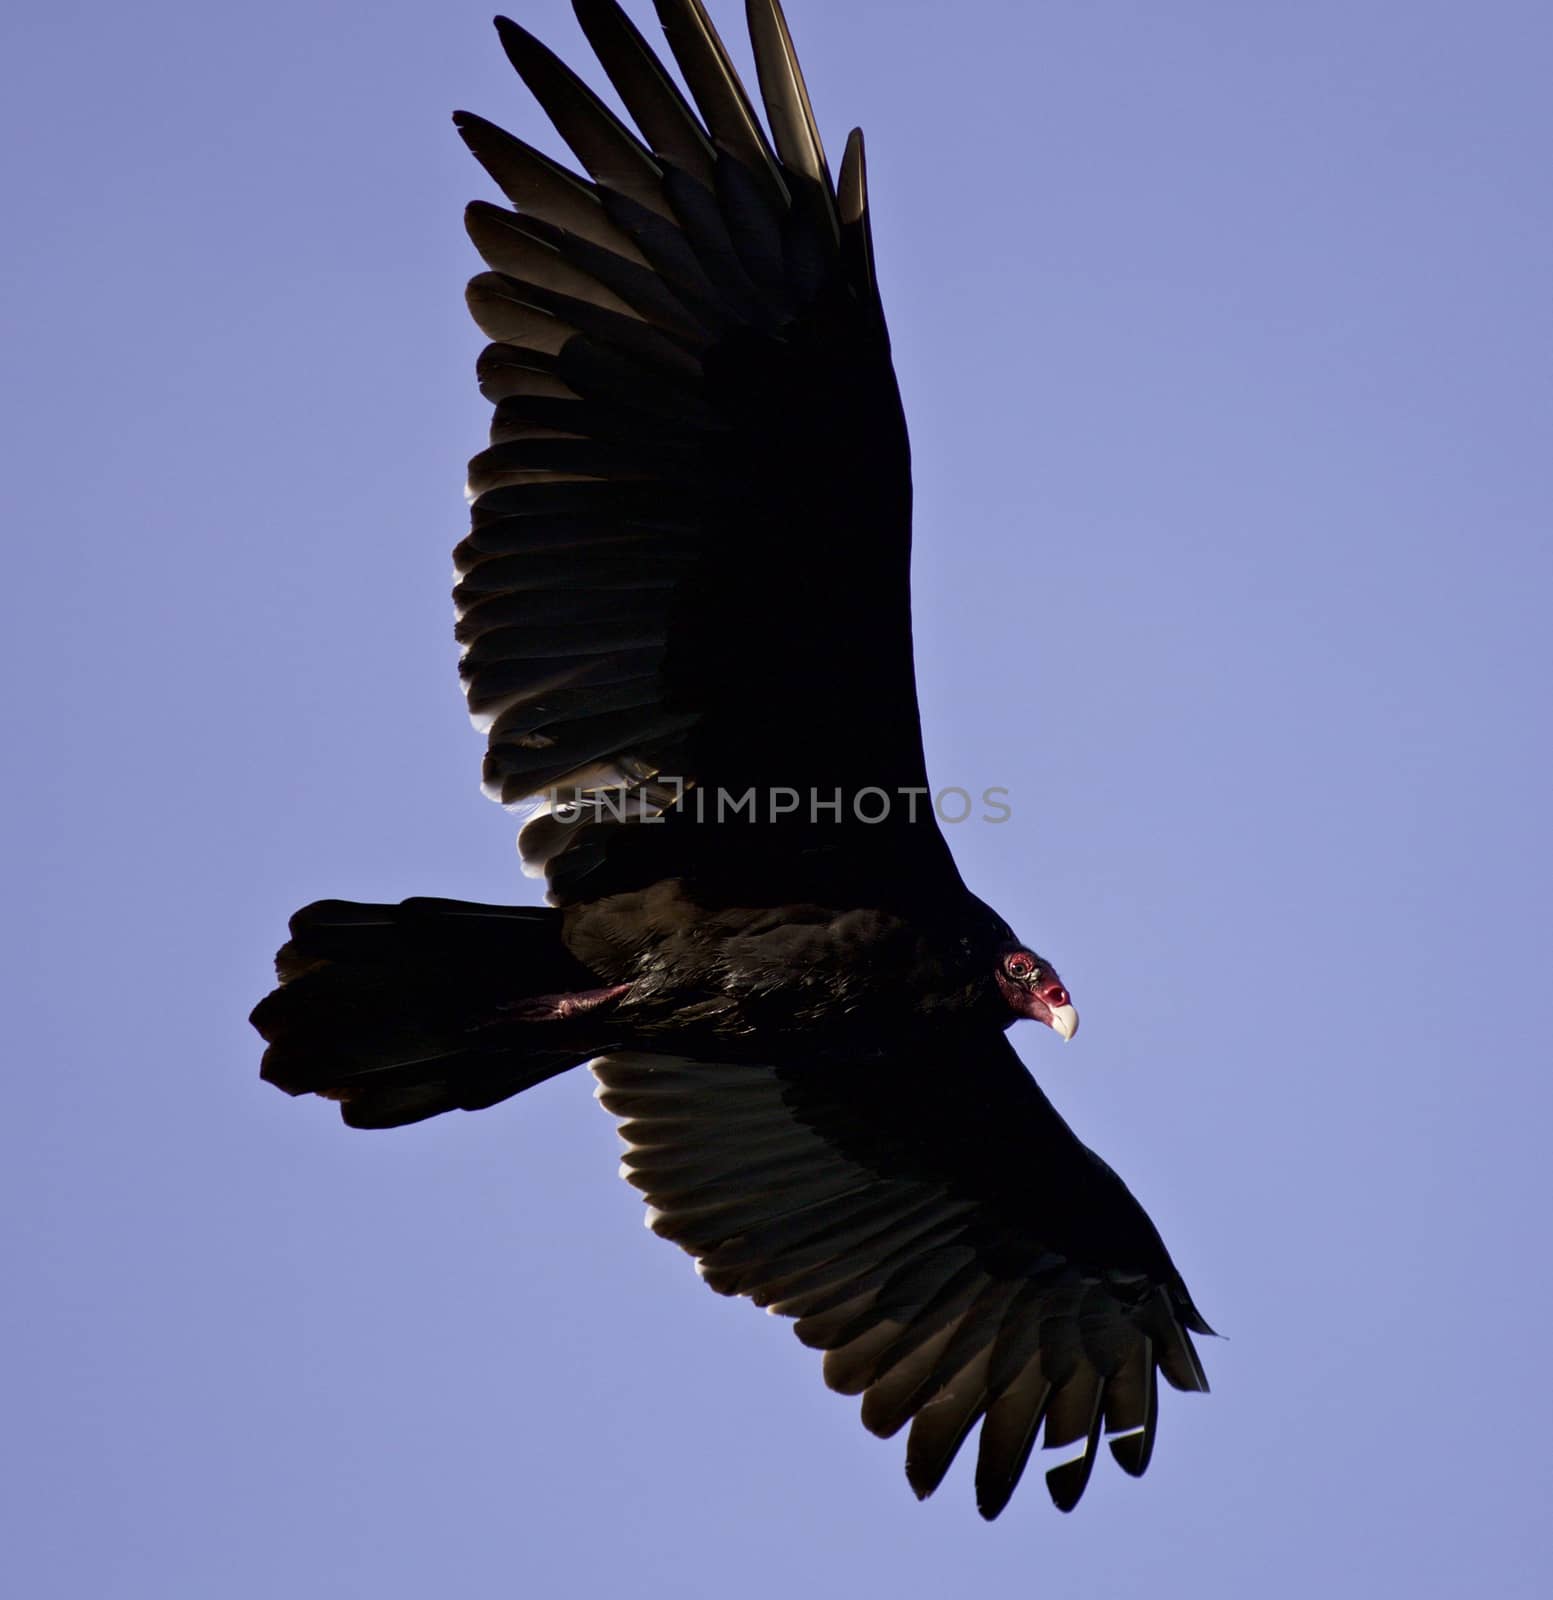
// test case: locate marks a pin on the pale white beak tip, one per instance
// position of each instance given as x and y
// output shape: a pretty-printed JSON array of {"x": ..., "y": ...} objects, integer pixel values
[{"x": 1064, "y": 1021}]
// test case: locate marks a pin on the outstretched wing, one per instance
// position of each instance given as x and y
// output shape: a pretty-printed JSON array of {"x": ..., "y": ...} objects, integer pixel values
[
  {"x": 689, "y": 562},
  {"x": 939, "y": 1232}
]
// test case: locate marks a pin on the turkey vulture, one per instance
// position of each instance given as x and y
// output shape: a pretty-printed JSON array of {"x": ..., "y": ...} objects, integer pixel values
[{"x": 685, "y": 616}]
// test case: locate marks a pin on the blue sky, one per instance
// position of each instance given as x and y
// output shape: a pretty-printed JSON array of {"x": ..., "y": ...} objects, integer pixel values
[{"x": 1224, "y": 334}]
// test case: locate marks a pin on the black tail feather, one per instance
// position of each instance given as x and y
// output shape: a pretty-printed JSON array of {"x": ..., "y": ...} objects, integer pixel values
[{"x": 396, "y": 1011}]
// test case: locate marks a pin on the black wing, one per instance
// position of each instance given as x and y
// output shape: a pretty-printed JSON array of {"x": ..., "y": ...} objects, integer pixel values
[
  {"x": 689, "y": 563},
  {"x": 939, "y": 1232}
]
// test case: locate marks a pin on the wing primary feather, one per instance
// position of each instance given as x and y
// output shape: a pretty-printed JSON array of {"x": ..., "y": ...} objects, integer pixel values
[
  {"x": 1174, "y": 1350},
  {"x": 944, "y": 1423},
  {"x": 857, "y": 236},
  {"x": 1066, "y": 1483},
  {"x": 717, "y": 90},
  {"x": 598, "y": 138},
  {"x": 536, "y": 184},
  {"x": 650, "y": 94},
  {"x": 852, "y": 195},
  {"x": 788, "y": 109},
  {"x": 1008, "y": 1436},
  {"x": 1133, "y": 1450}
]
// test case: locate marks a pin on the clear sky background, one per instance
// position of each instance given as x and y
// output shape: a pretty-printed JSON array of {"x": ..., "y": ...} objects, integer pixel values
[{"x": 1224, "y": 334}]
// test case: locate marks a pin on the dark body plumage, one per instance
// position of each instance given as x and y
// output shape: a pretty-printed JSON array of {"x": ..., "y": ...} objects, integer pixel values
[{"x": 685, "y": 598}]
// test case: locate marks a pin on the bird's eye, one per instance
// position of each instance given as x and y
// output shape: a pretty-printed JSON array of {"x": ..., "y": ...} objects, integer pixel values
[{"x": 1019, "y": 965}]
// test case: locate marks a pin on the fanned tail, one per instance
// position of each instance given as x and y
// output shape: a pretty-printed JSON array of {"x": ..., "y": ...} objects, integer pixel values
[{"x": 400, "y": 1012}]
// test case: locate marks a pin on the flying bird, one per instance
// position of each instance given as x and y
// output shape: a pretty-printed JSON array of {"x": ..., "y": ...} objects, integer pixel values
[{"x": 685, "y": 616}]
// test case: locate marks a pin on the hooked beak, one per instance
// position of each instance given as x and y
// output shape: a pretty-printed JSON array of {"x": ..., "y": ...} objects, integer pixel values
[{"x": 1063, "y": 1021}]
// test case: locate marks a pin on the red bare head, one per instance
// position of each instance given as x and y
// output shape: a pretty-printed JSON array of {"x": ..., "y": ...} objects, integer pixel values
[{"x": 1032, "y": 989}]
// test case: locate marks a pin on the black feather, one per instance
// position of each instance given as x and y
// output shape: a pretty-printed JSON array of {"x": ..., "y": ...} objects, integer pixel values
[
  {"x": 788, "y": 110},
  {"x": 650, "y": 94},
  {"x": 535, "y": 183},
  {"x": 687, "y": 576},
  {"x": 1066, "y": 1484},
  {"x": 715, "y": 85},
  {"x": 598, "y": 138}
]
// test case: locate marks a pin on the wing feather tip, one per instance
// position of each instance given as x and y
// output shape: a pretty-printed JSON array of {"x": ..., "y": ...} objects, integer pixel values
[
  {"x": 852, "y": 192},
  {"x": 1066, "y": 1484},
  {"x": 1131, "y": 1451},
  {"x": 992, "y": 1497}
]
